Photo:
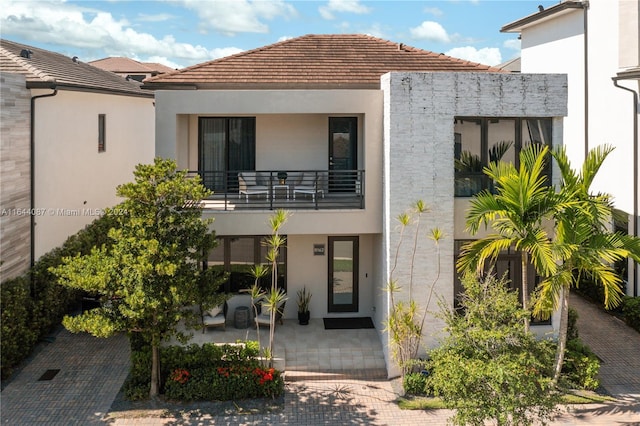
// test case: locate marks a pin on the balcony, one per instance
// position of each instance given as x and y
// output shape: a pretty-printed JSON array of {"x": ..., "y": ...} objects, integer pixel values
[{"x": 290, "y": 189}]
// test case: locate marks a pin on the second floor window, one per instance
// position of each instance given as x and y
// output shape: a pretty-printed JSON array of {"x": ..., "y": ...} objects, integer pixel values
[
  {"x": 102, "y": 132},
  {"x": 481, "y": 141}
]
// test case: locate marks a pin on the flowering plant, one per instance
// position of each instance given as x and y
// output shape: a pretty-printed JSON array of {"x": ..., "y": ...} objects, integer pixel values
[{"x": 180, "y": 375}]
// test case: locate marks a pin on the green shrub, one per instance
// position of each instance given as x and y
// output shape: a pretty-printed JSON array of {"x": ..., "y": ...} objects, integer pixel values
[
  {"x": 581, "y": 366},
  {"x": 488, "y": 368},
  {"x": 208, "y": 372},
  {"x": 223, "y": 383},
  {"x": 416, "y": 384},
  {"x": 34, "y": 304},
  {"x": 631, "y": 311},
  {"x": 18, "y": 334},
  {"x": 572, "y": 327}
]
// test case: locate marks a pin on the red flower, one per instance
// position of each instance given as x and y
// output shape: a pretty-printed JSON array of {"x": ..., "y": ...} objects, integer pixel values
[{"x": 180, "y": 375}]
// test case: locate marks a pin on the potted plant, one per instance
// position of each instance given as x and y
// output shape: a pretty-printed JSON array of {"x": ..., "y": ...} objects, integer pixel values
[
  {"x": 304, "y": 297},
  {"x": 282, "y": 177}
]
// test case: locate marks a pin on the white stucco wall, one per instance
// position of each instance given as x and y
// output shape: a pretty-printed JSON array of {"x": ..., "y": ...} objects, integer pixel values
[
  {"x": 418, "y": 163},
  {"x": 291, "y": 133},
  {"x": 72, "y": 179},
  {"x": 557, "y": 45}
]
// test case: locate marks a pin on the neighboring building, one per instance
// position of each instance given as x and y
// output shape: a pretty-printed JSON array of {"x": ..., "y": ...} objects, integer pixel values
[
  {"x": 70, "y": 134},
  {"x": 512, "y": 65},
  {"x": 130, "y": 68},
  {"x": 363, "y": 127},
  {"x": 597, "y": 44}
]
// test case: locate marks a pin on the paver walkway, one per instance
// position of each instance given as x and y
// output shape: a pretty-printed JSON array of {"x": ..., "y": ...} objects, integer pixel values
[
  {"x": 92, "y": 370},
  {"x": 615, "y": 343},
  {"x": 91, "y": 374}
]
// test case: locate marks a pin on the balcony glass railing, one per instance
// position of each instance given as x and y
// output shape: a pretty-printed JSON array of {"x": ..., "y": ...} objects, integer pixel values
[{"x": 290, "y": 189}]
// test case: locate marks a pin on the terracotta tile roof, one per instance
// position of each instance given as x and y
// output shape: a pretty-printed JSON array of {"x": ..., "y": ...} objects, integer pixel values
[
  {"x": 45, "y": 68},
  {"x": 313, "y": 61},
  {"x": 128, "y": 65}
]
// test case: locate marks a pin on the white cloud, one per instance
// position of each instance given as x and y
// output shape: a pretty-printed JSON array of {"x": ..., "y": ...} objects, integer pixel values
[
  {"x": 512, "y": 44},
  {"x": 433, "y": 11},
  {"x": 349, "y": 6},
  {"x": 486, "y": 55},
  {"x": 376, "y": 30},
  {"x": 159, "y": 17},
  {"x": 285, "y": 38},
  {"x": 430, "y": 30},
  {"x": 230, "y": 17},
  {"x": 81, "y": 28}
]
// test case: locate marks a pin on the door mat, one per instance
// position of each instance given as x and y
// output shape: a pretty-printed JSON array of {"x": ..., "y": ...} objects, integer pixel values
[{"x": 347, "y": 323}]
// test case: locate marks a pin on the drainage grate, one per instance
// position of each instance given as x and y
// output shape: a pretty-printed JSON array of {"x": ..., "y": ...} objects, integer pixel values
[{"x": 48, "y": 375}]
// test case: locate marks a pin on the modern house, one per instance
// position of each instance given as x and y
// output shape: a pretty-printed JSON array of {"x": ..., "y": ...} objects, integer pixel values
[
  {"x": 71, "y": 133},
  {"x": 347, "y": 132},
  {"x": 130, "y": 68},
  {"x": 596, "y": 43}
]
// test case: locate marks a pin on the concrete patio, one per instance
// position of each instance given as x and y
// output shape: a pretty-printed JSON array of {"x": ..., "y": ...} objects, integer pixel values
[{"x": 310, "y": 351}]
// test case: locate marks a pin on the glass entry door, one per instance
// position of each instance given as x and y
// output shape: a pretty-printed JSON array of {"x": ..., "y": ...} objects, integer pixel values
[
  {"x": 343, "y": 274},
  {"x": 343, "y": 149}
]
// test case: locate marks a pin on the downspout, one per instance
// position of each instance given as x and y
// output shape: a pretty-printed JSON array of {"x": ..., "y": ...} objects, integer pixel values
[
  {"x": 635, "y": 173},
  {"x": 32, "y": 173},
  {"x": 586, "y": 78}
]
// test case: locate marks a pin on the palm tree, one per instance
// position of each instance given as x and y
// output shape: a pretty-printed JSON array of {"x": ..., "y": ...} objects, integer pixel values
[
  {"x": 583, "y": 244},
  {"x": 524, "y": 199}
]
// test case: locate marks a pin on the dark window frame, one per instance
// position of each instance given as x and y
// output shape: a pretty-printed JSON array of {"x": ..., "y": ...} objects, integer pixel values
[
  {"x": 484, "y": 122},
  {"x": 239, "y": 281},
  {"x": 102, "y": 132},
  {"x": 511, "y": 255}
]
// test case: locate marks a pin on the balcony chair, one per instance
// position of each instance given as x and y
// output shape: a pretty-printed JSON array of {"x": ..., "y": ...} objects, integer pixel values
[
  {"x": 252, "y": 183},
  {"x": 310, "y": 183},
  {"x": 263, "y": 317},
  {"x": 215, "y": 317}
]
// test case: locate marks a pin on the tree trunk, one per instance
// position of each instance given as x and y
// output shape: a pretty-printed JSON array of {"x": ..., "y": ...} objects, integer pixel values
[
  {"x": 155, "y": 371},
  {"x": 562, "y": 334},
  {"x": 525, "y": 288}
]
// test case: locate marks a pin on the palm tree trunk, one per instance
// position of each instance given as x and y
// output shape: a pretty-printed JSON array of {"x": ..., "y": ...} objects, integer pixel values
[
  {"x": 562, "y": 334},
  {"x": 525, "y": 288}
]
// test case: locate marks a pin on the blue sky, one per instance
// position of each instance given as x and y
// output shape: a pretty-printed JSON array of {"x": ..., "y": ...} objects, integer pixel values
[{"x": 179, "y": 33}]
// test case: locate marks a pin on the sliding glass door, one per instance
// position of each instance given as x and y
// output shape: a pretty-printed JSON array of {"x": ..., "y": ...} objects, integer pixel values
[{"x": 226, "y": 144}]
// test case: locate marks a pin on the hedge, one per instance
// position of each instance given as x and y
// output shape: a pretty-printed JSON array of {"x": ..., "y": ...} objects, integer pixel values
[
  {"x": 34, "y": 304},
  {"x": 205, "y": 373}
]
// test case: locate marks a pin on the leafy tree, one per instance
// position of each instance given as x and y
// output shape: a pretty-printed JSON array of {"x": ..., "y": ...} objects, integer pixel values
[
  {"x": 489, "y": 368},
  {"x": 152, "y": 270},
  {"x": 523, "y": 200},
  {"x": 583, "y": 243}
]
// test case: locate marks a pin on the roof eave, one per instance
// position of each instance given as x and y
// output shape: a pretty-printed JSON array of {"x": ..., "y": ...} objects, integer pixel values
[
  {"x": 536, "y": 18},
  {"x": 77, "y": 88},
  {"x": 261, "y": 86},
  {"x": 630, "y": 74}
]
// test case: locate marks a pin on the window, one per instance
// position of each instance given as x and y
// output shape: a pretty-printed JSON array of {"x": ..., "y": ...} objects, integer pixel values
[
  {"x": 227, "y": 146},
  {"x": 507, "y": 265},
  {"x": 237, "y": 254},
  {"x": 480, "y": 141},
  {"x": 102, "y": 132}
]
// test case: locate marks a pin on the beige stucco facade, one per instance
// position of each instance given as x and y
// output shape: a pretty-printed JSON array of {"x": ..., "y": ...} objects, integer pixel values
[{"x": 73, "y": 181}]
